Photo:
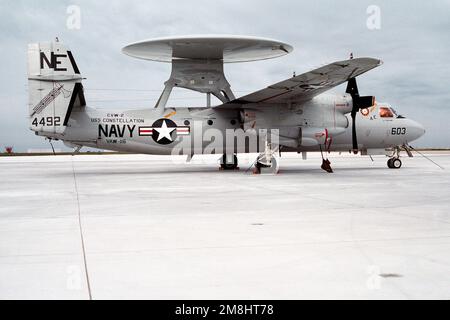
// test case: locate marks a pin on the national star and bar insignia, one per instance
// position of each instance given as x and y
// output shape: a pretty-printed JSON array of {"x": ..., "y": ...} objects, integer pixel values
[{"x": 164, "y": 131}]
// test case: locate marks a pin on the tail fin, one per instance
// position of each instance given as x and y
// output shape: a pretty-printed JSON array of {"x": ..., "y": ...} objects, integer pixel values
[{"x": 55, "y": 89}]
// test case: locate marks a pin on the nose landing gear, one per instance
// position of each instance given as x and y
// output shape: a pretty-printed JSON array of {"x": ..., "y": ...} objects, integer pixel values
[{"x": 394, "y": 163}]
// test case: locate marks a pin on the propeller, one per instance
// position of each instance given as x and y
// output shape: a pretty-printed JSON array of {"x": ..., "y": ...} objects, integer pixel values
[{"x": 358, "y": 104}]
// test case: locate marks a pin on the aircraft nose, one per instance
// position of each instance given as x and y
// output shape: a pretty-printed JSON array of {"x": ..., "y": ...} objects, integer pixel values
[{"x": 416, "y": 130}]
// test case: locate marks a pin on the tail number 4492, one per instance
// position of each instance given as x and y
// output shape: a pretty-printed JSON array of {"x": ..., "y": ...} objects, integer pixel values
[
  {"x": 398, "y": 131},
  {"x": 47, "y": 122}
]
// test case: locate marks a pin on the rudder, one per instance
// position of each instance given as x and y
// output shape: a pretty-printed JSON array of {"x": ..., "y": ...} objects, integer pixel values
[{"x": 55, "y": 88}]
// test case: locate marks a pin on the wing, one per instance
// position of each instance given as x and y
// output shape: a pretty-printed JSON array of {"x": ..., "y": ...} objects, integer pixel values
[{"x": 308, "y": 85}]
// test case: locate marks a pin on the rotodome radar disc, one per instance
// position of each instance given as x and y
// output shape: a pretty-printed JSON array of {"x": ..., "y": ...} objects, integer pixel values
[{"x": 208, "y": 47}]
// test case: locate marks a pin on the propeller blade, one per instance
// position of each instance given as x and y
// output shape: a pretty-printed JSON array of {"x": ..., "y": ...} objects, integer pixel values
[
  {"x": 354, "y": 135},
  {"x": 352, "y": 88},
  {"x": 364, "y": 102},
  {"x": 358, "y": 104}
]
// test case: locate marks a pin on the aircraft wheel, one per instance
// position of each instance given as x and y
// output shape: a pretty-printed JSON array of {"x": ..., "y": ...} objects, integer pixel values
[
  {"x": 389, "y": 164},
  {"x": 264, "y": 168},
  {"x": 227, "y": 165},
  {"x": 396, "y": 163}
]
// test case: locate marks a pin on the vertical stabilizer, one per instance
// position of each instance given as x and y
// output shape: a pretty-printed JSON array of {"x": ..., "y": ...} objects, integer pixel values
[{"x": 55, "y": 89}]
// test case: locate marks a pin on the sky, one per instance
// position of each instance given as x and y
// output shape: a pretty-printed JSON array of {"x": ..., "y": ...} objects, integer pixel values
[{"x": 412, "y": 38}]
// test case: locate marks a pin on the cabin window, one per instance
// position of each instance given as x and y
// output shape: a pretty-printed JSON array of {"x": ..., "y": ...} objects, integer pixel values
[{"x": 386, "y": 112}]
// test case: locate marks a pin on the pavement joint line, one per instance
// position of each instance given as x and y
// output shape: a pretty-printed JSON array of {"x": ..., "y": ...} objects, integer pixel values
[{"x": 81, "y": 231}]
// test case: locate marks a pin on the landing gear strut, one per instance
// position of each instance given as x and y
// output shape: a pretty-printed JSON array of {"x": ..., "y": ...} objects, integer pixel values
[
  {"x": 229, "y": 162},
  {"x": 266, "y": 161},
  {"x": 394, "y": 162}
]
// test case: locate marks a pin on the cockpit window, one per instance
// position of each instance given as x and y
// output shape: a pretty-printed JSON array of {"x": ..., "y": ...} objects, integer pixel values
[
  {"x": 399, "y": 116},
  {"x": 386, "y": 112},
  {"x": 394, "y": 112}
]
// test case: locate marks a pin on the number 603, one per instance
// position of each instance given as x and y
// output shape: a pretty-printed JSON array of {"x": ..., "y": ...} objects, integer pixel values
[{"x": 398, "y": 131}]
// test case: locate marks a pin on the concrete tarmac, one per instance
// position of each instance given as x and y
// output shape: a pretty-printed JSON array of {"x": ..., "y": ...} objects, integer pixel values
[{"x": 155, "y": 228}]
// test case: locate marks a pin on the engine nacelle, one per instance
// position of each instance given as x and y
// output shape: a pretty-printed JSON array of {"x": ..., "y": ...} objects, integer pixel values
[
  {"x": 318, "y": 136},
  {"x": 313, "y": 136},
  {"x": 310, "y": 137}
]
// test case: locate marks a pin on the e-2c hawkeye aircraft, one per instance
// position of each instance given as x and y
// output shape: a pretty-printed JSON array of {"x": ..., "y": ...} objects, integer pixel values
[{"x": 294, "y": 115}]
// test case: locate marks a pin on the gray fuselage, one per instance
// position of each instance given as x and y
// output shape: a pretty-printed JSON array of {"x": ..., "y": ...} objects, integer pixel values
[{"x": 299, "y": 127}]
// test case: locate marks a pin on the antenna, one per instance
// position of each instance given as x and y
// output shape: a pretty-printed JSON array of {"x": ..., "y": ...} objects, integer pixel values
[{"x": 198, "y": 61}]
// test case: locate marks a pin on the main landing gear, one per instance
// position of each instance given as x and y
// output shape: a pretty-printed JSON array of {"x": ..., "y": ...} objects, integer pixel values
[
  {"x": 229, "y": 162},
  {"x": 267, "y": 163}
]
